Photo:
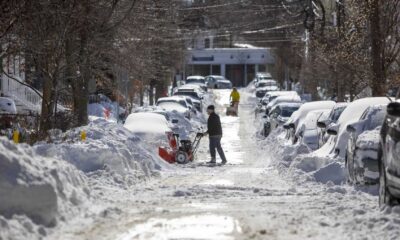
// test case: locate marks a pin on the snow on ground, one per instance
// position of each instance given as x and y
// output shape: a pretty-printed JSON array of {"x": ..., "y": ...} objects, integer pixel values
[{"x": 268, "y": 190}]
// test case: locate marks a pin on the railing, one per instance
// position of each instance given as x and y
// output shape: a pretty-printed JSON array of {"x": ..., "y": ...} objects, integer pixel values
[{"x": 21, "y": 93}]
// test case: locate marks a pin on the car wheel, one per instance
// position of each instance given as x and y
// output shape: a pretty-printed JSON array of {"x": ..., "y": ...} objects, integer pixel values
[{"x": 385, "y": 198}]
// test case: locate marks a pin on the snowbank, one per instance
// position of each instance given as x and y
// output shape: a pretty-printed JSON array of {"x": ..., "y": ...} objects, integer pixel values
[
  {"x": 300, "y": 162},
  {"x": 109, "y": 147},
  {"x": 41, "y": 188}
]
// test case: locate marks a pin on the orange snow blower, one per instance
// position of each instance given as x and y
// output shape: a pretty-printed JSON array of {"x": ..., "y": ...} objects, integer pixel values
[{"x": 179, "y": 151}]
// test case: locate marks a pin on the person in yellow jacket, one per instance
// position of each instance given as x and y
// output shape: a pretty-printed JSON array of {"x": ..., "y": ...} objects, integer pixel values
[{"x": 235, "y": 99}]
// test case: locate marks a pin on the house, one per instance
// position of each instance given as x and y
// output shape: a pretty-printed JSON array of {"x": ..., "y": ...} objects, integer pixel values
[
  {"x": 13, "y": 85},
  {"x": 239, "y": 63}
]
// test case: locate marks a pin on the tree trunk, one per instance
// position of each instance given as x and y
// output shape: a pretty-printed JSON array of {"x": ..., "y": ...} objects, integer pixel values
[
  {"x": 378, "y": 74},
  {"x": 47, "y": 106}
]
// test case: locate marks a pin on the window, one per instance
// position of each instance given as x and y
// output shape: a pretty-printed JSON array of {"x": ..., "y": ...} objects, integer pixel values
[{"x": 207, "y": 43}]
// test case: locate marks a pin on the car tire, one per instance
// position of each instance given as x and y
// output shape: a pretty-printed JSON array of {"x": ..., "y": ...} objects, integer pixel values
[{"x": 385, "y": 198}]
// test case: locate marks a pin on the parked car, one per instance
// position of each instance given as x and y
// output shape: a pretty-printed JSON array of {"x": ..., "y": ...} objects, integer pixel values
[
  {"x": 327, "y": 119},
  {"x": 353, "y": 112},
  {"x": 278, "y": 116},
  {"x": 307, "y": 131},
  {"x": 264, "y": 86},
  {"x": 179, "y": 106},
  {"x": 193, "y": 94},
  {"x": 363, "y": 146},
  {"x": 282, "y": 99},
  {"x": 301, "y": 114},
  {"x": 197, "y": 80},
  {"x": 218, "y": 82},
  {"x": 148, "y": 125},
  {"x": 263, "y": 76},
  {"x": 272, "y": 95},
  {"x": 7, "y": 105},
  {"x": 389, "y": 161}
]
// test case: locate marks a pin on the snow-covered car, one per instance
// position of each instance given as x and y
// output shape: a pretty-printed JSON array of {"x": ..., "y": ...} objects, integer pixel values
[
  {"x": 278, "y": 116},
  {"x": 327, "y": 119},
  {"x": 7, "y": 105},
  {"x": 262, "y": 76},
  {"x": 272, "y": 95},
  {"x": 218, "y": 82},
  {"x": 197, "y": 80},
  {"x": 175, "y": 106},
  {"x": 307, "y": 131},
  {"x": 150, "y": 126},
  {"x": 389, "y": 161},
  {"x": 353, "y": 112},
  {"x": 299, "y": 116},
  {"x": 261, "y": 91},
  {"x": 282, "y": 99},
  {"x": 363, "y": 145},
  {"x": 194, "y": 95}
]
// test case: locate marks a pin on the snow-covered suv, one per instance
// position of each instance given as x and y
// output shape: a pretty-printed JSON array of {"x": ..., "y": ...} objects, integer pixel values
[
  {"x": 389, "y": 163},
  {"x": 363, "y": 145}
]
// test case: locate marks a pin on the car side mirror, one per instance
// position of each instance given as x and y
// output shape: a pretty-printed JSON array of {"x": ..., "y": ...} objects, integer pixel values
[
  {"x": 321, "y": 125},
  {"x": 351, "y": 128},
  {"x": 175, "y": 121},
  {"x": 332, "y": 130},
  {"x": 393, "y": 109}
]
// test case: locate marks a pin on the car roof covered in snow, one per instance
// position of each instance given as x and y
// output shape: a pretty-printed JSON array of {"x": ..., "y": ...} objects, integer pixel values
[
  {"x": 195, "y": 77},
  {"x": 280, "y": 93},
  {"x": 284, "y": 99},
  {"x": 172, "y": 106},
  {"x": 147, "y": 122},
  {"x": 311, "y": 106}
]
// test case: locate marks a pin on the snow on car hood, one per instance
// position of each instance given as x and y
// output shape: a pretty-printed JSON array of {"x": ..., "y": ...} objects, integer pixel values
[{"x": 170, "y": 106}]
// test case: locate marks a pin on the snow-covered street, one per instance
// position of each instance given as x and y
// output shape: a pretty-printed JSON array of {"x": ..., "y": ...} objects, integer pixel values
[{"x": 250, "y": 198}]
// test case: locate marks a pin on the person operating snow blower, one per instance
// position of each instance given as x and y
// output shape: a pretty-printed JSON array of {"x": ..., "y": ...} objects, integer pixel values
[
  {"x": 233, "y": 110},
  {"x": 215, "y": 134}
]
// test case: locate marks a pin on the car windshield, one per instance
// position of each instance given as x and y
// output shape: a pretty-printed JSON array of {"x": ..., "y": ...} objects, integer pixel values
[
  {"x": 190, "y": 94},
  {"x": 267, "y": 84},
  {"x": 336, "y": 114},
  {"x": 264, "y": 77},
  {"x": 195, "y": 80},
  {"x": 272, "y": 98},
  {"x": 288, "y": 111},
  {"x": 181, "y": 102},
  {"x": 377, "y": 118}
]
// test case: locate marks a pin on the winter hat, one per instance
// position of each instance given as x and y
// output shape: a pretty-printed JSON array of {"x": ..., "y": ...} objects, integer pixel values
[{"x": 211, "y": 107}]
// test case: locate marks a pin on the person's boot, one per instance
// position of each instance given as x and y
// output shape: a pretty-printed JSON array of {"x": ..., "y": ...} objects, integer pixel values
[
  {"x": 212, "y": 161},
  {"x": 223, "y": 162}
]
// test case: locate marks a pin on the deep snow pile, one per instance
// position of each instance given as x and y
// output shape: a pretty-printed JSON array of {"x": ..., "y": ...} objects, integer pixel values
[
  {"x": 300, "y": 162},
  {"x": 44, "y": 189},
  {"x": 109, "y": 147},
  {"x": 50, "y": 183}
]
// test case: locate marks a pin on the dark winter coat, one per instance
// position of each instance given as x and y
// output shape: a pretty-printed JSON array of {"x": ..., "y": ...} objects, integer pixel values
[{"x": 214, "y": 125}]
